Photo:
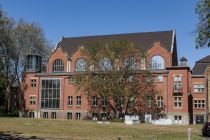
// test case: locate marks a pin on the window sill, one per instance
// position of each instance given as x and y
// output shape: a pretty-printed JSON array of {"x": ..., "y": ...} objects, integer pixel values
[
  {"x": 199, "y": 108},
  {"x": 199, "y": 92}
]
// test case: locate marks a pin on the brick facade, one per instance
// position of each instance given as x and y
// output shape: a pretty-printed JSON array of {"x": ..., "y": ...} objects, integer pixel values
[{"x": 186, "y": 111}]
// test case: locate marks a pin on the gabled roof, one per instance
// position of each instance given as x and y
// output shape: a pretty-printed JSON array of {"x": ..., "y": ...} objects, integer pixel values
[
  {"x": 204, "y": 60},
  {"x": 143, "y": 40},
  {"x": 201, "y": 65}
]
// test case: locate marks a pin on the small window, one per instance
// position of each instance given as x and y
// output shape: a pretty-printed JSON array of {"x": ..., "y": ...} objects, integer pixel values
[
  {"x": 198, "y": 88},
  {"x": 71, "y": 80},
  {"x": 58, "y": 66},
  {"x": 199, "y": 119},
  {"x": 45, "y": 114},
  {"x": 80, "y": 65},
  {"x": 33, "y": 83},
  {"x": 94, "y": 116},
  {"x": 69, "y": 115},
  {"x": 78, "y": 116},
  {"x": 53, "y": 115},
  {"x": 177, "y": 101},
  {"x": 70, "y": 100},
  {"x": 32, "y": 100},
  {"x": 159, "y": 78},
  {"x": 199, "y": 104},
  {"x": 94, "y": 101},
  {"x": 160, "y": 101},
  {"x": 78, "y": 101},
  {"x": 31, "y": 114},
  {"x": 121, "y": 102},
  {"x": 178, "y": 119},
  {"x": 103, "y": 116},
  {"x": 149, "y": 79}
]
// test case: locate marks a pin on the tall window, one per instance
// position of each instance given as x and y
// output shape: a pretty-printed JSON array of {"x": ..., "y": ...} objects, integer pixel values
[
  {"x": 178, "y": 119},
  {"x": 160, "y": 101},
  {"x": 143, "y": 64},
  {"x": 157, "y": 62},
  {"x": 58, "y": 65},
  {"x": 50, "y": 93},
  {"x": 70, "y": 100},
  {"x": 177, "y": 101},
  {"x": 149, "y": 101},
  {"x": 130, "y": 63},
  {"x": 94, "y": 101},
  {"x": 105, "y": 64},
  {"x": 80, "y": 65},
  {"x": 78, "y": 100},
  {"x": 103, "y": 101},
  {"x": 199, "y": 88},
  {"x": 199, "y": 104},
  {"x": 177, "y": 83}
]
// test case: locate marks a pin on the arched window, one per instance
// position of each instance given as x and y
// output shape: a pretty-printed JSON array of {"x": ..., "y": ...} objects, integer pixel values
[
  {"x": 157, "y": 62},
  {"x": 58, "y": 65},
  {"x": 80, "y": 65},
  {"x": 105, "y": 64},
  {"x": 130, "y": 63}
]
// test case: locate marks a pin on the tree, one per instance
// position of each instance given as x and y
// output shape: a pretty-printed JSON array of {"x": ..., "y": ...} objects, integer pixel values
[
  {"x": 114, "y": 82},
  {"x": 203, "y": 28},
  {"x": 17, "y": 40}
]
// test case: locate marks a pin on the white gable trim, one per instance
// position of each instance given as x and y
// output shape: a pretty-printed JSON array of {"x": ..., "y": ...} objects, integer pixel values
[{"x": 172, "y": 41}]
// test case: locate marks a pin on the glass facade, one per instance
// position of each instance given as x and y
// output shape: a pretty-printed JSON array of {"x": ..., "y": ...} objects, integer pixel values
[{"x": 50, "y": 93}]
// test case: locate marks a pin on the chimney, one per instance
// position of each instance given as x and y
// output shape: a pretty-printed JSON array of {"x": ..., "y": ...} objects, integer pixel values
[{"x": 183, "y": 62}]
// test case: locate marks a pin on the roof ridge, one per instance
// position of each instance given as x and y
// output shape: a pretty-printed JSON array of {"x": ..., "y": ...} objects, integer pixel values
[
  {"x": 203, "y": 60},
  {"x": 117, "y": 34}
]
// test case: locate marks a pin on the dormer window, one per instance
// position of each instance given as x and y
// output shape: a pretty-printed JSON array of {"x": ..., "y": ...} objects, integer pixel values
[
  {"x": 58, "y": 66},
  {"x": 80, "y": 65},
  {"x": 157, "y": 62}
]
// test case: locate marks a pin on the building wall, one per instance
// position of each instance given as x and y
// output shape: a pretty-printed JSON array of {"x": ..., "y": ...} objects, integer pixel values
[{"x": 165, "y": 87}]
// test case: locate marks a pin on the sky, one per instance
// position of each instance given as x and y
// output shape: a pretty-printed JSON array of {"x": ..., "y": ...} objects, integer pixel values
[{"x": 73, "y": 18}]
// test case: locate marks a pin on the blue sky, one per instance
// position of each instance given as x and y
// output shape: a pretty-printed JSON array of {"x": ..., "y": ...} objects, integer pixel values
[{"x": 70, "y": 18}]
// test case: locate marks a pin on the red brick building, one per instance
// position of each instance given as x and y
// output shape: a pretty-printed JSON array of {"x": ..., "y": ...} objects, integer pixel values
[{"x": 52, "y": 94}]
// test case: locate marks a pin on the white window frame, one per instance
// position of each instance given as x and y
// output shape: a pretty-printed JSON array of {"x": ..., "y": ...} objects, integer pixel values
[
  {"x": 157, "y": 62},
  {"x": 199, "y": 104},
  {"x": 160, "y": 101},
  {"x": 160, "y": 78},
  {"x": 79, "y": 100},
  {"x": 32, "y": 100},
  {"x": 70, "y": 100},
  {"x": 178, "y": 119},
  {"x": 199, "y": 88},
  {"x": 177, "y": 101}
]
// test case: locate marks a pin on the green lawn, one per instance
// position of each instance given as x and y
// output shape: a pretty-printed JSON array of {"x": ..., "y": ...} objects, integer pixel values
[{"x": 90, "y": 130}]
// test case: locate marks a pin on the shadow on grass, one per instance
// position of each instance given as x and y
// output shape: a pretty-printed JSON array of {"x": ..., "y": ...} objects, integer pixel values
[{"x": 8, "y": 135}]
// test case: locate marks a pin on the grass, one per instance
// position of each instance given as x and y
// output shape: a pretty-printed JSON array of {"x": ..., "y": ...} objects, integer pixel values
[{"x": 90, "y": 130}]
